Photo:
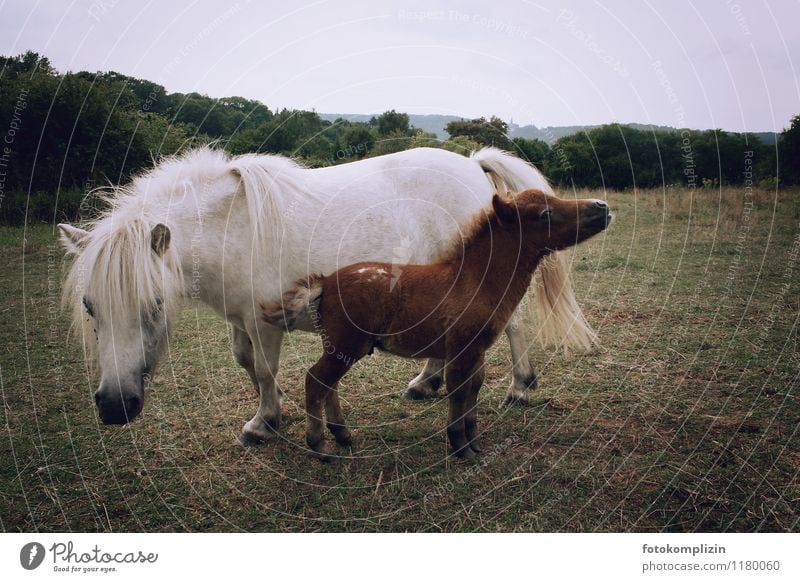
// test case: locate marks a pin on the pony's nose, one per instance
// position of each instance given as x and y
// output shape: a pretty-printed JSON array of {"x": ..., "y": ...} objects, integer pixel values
[
  {"x": 600, "y": 204},
  {"x": 115, "y": 408}
]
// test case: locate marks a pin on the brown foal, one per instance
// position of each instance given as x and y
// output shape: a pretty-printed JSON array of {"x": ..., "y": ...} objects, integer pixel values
[{"x": 453, "y": 309}]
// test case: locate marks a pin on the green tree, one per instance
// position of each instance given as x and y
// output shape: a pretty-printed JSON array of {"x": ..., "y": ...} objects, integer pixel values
[
  {"x": 391, "y": 122},
  {"x": 789, "y": 152},
  {"x": 490, "y": 132},
  {"x": 535, "y": 151}
]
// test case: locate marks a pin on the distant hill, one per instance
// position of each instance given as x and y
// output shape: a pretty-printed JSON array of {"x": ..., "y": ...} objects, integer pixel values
[{"x": 436, "y": 123}]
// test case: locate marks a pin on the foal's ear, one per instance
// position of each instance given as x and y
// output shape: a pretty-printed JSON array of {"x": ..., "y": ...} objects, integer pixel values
[
  {"x": 72, "y": 239},
  {"x": 505, "y": 211},
  {"x": 159, "y": 239}
]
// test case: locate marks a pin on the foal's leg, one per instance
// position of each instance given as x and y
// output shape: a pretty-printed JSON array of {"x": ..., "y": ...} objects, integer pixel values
[
  {"x": 460, "y": 376},
  {"x": 471, "y": 409},
  {"x": 321, "y": 382},
  {"x": 266, "y": 354},
  {"x": 335, "y": 418},
  {"x": 523, "y": 376},
  {"x": 427, "y": 383}
]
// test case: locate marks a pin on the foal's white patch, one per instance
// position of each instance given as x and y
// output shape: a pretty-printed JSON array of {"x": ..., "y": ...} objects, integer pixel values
[{"x": 377, "y": 270}]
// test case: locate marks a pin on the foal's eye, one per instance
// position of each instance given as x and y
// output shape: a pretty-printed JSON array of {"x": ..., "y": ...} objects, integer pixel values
[
  {"x": 545, "y": 214},
  {"x": 88, "y": 307}
]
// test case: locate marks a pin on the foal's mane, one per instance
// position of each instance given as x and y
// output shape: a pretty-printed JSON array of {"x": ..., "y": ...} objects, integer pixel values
[{"x": 479, "y": 225}]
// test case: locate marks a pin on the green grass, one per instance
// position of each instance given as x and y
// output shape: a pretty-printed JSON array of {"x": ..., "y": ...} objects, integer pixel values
[{"x": 686, "y": 419}]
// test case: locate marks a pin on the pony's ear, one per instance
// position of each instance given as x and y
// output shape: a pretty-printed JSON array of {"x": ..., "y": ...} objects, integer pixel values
[
  {"x": 159, "y": 239},
  {"x": 505, "y": 211},
  {"x": 72, "y": 239}
]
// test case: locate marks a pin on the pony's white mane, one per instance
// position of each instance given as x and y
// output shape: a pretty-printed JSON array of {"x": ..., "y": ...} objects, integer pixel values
[{"x": 116, "y": 265}]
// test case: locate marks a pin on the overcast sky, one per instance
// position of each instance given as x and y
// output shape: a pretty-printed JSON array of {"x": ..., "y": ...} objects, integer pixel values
[{"x": 699, "y": 64}]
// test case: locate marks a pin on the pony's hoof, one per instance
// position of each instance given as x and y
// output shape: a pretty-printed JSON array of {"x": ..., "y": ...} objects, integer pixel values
[
  {"x": 247, "y": 439},
  {"x": 423, "y": 389},
  {"x": 415, "y": 394},
  {"x": 475, "y": 445},
  {"x": 516, "y": 399},
  {"x": 257, "y": 432}
]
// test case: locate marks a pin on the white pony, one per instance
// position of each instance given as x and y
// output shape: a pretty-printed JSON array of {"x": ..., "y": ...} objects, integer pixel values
[{"x": 235, "y": 233}]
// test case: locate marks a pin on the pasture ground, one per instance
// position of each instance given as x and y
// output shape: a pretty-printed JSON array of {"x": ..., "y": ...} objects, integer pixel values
[{"x": 686, "y": 419}]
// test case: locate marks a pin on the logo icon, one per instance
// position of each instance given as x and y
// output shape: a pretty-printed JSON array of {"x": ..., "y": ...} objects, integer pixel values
[{"x": 31, "y": 555}]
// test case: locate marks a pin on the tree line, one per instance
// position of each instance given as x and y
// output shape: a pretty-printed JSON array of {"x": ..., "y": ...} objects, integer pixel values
[{"x": 66, "y": 134}]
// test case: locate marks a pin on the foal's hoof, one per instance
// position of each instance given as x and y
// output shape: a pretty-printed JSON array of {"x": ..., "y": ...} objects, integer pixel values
[
  {"x": 324, "y": 454},
  {"x": 475, "y": 445},
  {"x": 341, "y": 434},
  {"x": 466, "y": 453}
]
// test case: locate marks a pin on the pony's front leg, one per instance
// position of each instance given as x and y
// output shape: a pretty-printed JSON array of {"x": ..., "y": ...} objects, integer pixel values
[
  {"x": 243, "y": 352},
  {"x": 245, "y": 356},
  {"x": 266, "y": 355},
  {"x": 427, "y": 383},
  {"x": 523, "y": 378}
]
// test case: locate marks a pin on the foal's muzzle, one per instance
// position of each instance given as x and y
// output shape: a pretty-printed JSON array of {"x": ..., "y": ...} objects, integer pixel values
[
  {"x": 115, "y": 407},
  {"x": 597, "y": 216}
]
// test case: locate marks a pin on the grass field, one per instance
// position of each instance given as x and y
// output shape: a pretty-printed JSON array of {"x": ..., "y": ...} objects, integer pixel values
[{"x": 686, "y": 419}]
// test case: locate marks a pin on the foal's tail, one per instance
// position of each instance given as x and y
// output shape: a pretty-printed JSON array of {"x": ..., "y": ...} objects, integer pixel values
[
  {"x": 561, "y": 319},
  {"x": 297, "y": 306}
]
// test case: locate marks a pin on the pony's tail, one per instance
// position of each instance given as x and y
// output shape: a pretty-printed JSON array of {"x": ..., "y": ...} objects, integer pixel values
[
  {"x": 562, "y": 322},
  {"x": 298, "y": 305}
]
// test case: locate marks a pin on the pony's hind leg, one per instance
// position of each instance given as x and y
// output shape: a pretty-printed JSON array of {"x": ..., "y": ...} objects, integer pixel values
[
  {"x": 427, "y": 383},
  {"x": 266, "y": 355},
  {"x": 523, "y": 378}
]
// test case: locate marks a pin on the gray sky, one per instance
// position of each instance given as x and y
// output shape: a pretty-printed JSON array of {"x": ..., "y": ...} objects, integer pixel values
[{"x": 701, "y": 64}]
